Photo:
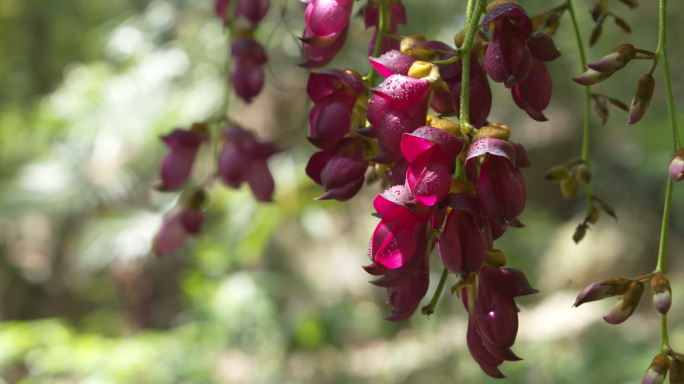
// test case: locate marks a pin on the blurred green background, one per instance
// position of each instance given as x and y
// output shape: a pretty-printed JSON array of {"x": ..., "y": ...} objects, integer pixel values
[{"x": 274, "y": 293}]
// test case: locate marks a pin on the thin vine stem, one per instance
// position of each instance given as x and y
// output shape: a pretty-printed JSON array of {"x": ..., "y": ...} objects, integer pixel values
[
  {"x": 473, "y": 12},
  {"x": 430, "y": 308},
  {"x": 661, "y": 55},
  {"x": 382, "y": 31},
  {"x": 587, "y": 109}
]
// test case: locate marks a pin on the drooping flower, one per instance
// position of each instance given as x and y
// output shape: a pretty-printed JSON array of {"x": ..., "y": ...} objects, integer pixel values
[
  {"x": 642, "y": 98},
  {"x": 533, "y": 94},
  {"x": 405, "y": 296},
  {"x": 396, "y": 15},
  {"x": 462, "y": 245},
  {"x": 395, "y": 238},
  {"x": 335, "y": 94},
  {"x": 180, "y": 224},
  {"x": 177, "y": 164},
  {"x": 327, "y": 22},
  {"x": 431, "y": 153},
  {"x": 662, "y": 293},
  {"x": 247, "y": 74},
  {"x": 500, "y": 187},
  {"x": 252, "y": 10},
  {"x": 508, "y": 57},
  {"x": 243, "y": 159},
  {"x": 657, "y": 370},
  {"x": 340, "y": 170},
  {"x": 399, "y": 105}
]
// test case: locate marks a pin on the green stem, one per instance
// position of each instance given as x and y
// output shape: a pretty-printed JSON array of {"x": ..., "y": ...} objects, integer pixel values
[
  {"x": 382, "y": 31},
  {"x": 460, "y": 170},
  {"x": 661, "y": 54},
  {"x": 430, "y": 308},
  {"x": 472, "y": 18},
  {"x": 587, "y": 109},
  {"x": 456, "y": 57}
]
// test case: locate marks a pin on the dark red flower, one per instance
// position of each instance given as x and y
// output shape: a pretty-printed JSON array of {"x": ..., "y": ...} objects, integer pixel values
[
  {"x": 247, "y": 74},
  {"x": 252, "y": 10},
  {"x": 334, "y": 93},
  {"x": 462, "y": 245},
  {"x": 243, "y": 159},
  {"x": 177, "y": 164},
  {"x": 340, "y": 170},
  {"x": 399, "y": 105}
]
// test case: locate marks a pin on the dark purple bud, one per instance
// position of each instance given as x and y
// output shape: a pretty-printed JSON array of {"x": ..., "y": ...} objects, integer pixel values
[
  {"x": 340, "y": 170},
  {"x": 177, "y": 164},
  {"x": 603, "y": 289}
]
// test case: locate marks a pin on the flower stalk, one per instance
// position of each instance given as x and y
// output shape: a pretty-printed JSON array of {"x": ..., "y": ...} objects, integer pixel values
[
  {"x": 473, "y": 13},
  {"x": 587, "y": 111},
  {"x": 661, "y": 55}
]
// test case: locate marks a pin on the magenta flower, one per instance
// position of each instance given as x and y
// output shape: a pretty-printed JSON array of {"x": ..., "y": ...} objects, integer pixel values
[
  {"x": 247, "y": 75},
  {"x": 252, "y": 10},
  {"x": 462, "y": 245},
  {"x": 394, "y": 240},
  {"x": 243, "y": 159},
  {"x": 398, "y": 173},
  {"x": 397, "y": 16},
  {"x": 508, "y": 57},
  {"x": 325, "y": 31},
  {"x": 340, "y": 170},
  {"x": 334, "y": 93},
  {"x": 431, "y": 153},
  {"x": 399, "y": 105},
  {"x": 500, "y": 187},
  {"x": 392, "y": 63},
  {"x": 405, "y": 292},
  {"x": 177, "y": 164}
]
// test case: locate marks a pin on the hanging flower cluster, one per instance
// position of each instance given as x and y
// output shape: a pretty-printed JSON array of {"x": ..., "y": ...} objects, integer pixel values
[
  {"x": 248, "y": 55},
  {"x": 448, "y": 187}
]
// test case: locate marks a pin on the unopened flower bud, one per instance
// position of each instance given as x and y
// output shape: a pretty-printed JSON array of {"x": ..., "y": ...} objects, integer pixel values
[
  {"x": 569, "y": 187},
  {"x": 584, "y": 173},
  {"x": 662, "y": 293},
  {"x": 622, "y": 24},
  {"x": 603, "y": 289},
  {"x": 495, "y": 258},
  {"x": 497, "y": 131},
  {"x": 615, "y": 60},
  {"x": 496, "y": 3},
  {"x": 602, "y": 109},
  {"x": 619, "y": 105},
  {"x": 557, "y": 174},
  {"x": 608, "y": 208},
  {"x": 591, "y": 77},
  {"x": 427, "y": 71},
  {"x": 677, "y": 165},
  {"x": 409, "y": 42},
  {"x": 593, "y": 215},
  {"x": 580, "y": 231},
  {"x": 676, "y": 371},
  {"x": 459, "y": 38},
  {"x": 658, "y": 370},
  {"x": 598, "y": 10},
  {"x": 446, "y": 125},
  {"x": 642, "y": 98},
  {"x": 626, "y": 305},
  {"x": 552, "y": 23},
  {"x": 595, "y": 34}
]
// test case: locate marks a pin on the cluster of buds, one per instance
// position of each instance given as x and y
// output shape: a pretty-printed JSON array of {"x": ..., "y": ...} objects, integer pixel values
[
  {"x": 454, "y": 188},
  {"x": 243, "y": 158},
  {"x": 248, "y": 55},
  {"x": 550, "y": 20},
  {"x": 613, "y": 62},
  {"x": 663, "y": 363},
  {"x": 630, "y": 291},
  {"x": 599, "y": 13},
  {"x": 569, "y": 177}
]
